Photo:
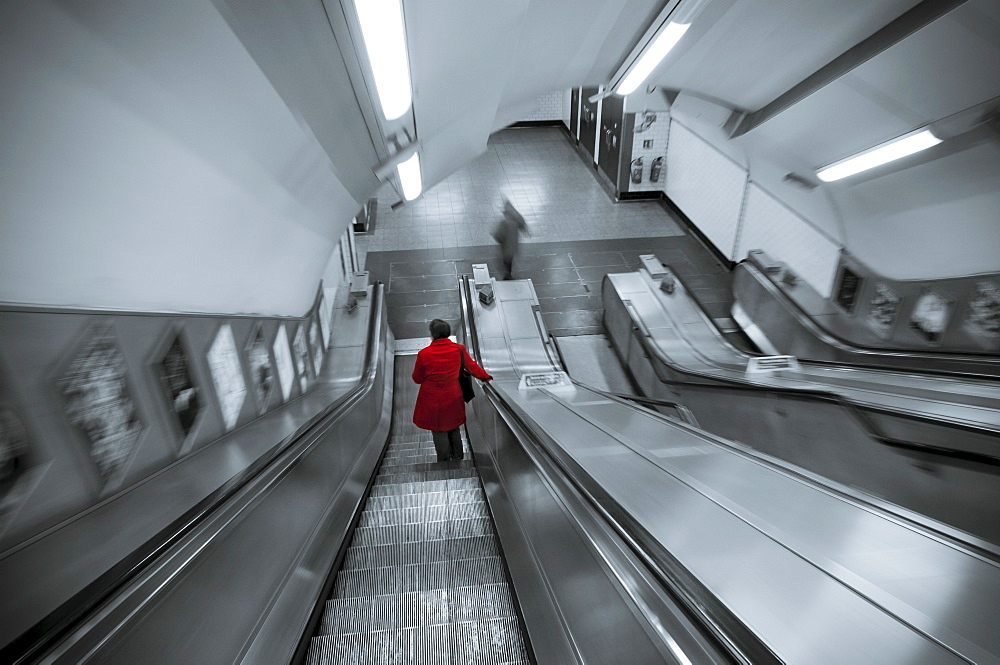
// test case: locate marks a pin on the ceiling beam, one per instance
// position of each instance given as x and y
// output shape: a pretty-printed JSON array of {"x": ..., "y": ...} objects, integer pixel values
[{"x": 894, "y": 32}]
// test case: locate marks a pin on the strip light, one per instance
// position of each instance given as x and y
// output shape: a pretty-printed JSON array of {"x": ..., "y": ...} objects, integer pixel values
[
  {"x": 409, "y": 177},
  {"x": 657, "y": 51},
  {"x": 880, "y": 154},
  {"x": 385, "y": 40}
]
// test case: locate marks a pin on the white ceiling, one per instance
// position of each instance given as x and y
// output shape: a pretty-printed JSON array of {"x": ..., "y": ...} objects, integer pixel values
[{"x": 478, "y": 66}]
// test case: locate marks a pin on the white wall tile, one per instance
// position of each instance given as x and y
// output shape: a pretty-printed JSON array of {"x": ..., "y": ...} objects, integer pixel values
[
  {"x": 706, "y": 185},
  {"x": 774, "y": 228}
]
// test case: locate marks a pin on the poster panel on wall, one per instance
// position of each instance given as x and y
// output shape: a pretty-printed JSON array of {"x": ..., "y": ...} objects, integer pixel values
[
  {"x": 316, "y": 346},
  {"x": 324, "y": 321},
  {"x": 930, "y": 315},
  {"x": 983, "y": 320},
  {"x": 98, "y": 402},
  {"x": 302, "y": 356},
  {"x": 261, "y": 370},
  {"x": 13, "y": 460},
  {"x": 884, "y": 309},
  {"x": 848, "y": 287},
  {"x": 227, "y": 375},
  {"x": 183, "y": 395},
  {"x": 283, "y": 361}
]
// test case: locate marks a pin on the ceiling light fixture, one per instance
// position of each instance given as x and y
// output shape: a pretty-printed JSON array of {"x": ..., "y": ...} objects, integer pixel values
[
  {"x": 883, "y": 153},
  {"x": 409, "y": 177},
  {"x": 385, "y": 40},
  {"x": 658, "y": 50}
]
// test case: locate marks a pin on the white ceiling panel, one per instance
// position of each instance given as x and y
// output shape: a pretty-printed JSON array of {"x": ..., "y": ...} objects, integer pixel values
[
  {"x": 945, "y": 67},
  {"x": 757, "y": 49}
]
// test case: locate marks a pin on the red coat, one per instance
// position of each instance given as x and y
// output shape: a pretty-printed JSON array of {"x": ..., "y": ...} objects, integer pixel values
[{"x": 440, "y": 406}]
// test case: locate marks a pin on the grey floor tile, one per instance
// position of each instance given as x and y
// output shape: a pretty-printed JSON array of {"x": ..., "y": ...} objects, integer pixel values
[
  {"x": 550, "y": 290},
  {"x": 425, "y": 283},
  {"x": 417, "y": 268},
  {"x": 568, "y": 303}
]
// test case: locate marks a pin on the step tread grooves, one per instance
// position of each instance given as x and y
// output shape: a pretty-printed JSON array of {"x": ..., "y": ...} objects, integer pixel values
[{"x": 422, "y": 580}]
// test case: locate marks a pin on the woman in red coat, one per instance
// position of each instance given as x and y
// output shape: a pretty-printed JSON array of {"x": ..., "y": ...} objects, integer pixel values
[{"x": 440, "y": 407}]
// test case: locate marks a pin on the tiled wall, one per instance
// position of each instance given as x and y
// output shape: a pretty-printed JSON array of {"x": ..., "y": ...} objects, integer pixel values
[
  {"x": 734, "y": 213},
  {"x": 657, "y": 135},
  {"x": 769, "y": 225},
  {"x": 548, "y": 106},
  {"x": 707, "y": 185}
]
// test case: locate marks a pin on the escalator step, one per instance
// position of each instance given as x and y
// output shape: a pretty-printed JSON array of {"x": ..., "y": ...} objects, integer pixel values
[
  {"x": 401, "y": 554},
  {"x": 423, "y": 580}
]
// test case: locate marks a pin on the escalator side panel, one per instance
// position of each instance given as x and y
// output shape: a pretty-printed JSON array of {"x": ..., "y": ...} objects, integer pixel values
[
  {"x": 569, "y": 602},
  {"x": 219, "y": 601}
]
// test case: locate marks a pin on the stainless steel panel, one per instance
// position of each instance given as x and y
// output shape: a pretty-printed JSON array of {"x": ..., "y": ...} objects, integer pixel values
[{"x": 785, "y": 553}]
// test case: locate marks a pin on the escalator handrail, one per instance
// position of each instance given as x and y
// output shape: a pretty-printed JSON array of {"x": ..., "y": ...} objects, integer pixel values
[
  {"x": 815, "y": 394},
  {"x": 726, "y": 628},
  {"x": 832, "y": 339},
  {"x": 45, "y": 635}
]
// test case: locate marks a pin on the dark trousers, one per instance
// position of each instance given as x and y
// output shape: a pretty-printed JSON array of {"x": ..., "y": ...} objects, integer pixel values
[{"x": 448, "y": 444}]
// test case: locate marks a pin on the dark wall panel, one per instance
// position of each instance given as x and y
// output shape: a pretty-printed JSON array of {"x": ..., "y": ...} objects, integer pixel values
[
  {"x": 574, "y": 113},
  {"x": 588, "y": 121},
  {"x": 612, "y": 120}
]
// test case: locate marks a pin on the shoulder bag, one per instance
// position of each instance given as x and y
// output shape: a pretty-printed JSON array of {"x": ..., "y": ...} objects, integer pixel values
[{"x": 464, "y": 378}]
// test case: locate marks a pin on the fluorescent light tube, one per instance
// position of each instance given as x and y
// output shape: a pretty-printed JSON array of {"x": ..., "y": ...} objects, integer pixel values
[
  {"x": 658, "y": 50},
  {"x": 409, "y": 177},
  {"x": 385, "y": 40},
  {"x": 881, "y": 154}
]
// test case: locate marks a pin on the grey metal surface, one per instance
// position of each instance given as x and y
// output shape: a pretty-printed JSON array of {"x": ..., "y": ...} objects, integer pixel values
[
  {"x": 50, "y": 569},
  {"x": 819, "y": 575},
  {"x": 674, "y": 353},
  {"x": 817, "y": 330},
  {"x": 423, "y": 580},
  {"x": 685, "y": 337},
  {"x": 561, "y": 553},
  {"x": 237, "y": 584}
]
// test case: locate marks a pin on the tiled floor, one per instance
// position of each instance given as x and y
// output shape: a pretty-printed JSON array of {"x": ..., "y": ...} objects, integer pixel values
[{"x": 577, "y": 235}]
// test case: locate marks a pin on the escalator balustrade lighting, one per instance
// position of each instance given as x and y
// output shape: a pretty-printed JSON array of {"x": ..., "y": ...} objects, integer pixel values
[
  {"x": 409, "y": 177},
  {"x": 884, "y": 153},
  {"x": 385, "y": 40}
]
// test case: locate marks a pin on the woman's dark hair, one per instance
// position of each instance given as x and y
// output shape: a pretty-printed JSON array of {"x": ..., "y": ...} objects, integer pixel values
[{"x": 439, "y": 329}]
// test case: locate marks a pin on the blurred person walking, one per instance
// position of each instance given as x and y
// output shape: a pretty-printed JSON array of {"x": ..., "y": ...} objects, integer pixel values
[
  {"x": 507, "y": 233},
  {"x": 440, "y": 406}
]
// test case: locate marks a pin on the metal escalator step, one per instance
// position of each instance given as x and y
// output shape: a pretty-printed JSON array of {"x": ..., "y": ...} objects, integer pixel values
[
  {"x": 390, "y": 489},
  {"x": 385, "y": 535},
  {"x": 440, "y": 473},
  {"x": 418, "y": 646},
  {"x": 423, "y": 514},
  {"x": 385, "y": 580},
  {"x": 362, "y": 582},
  {"x": 427, "y": 466},
  {"x": 490, "y": 641},
  {"x": 415, "y": 515},
  {"x": 411, "y": 500},
  {"x": 428, "y": 551},
  {"x": 478, "y": 526},
  {"x": 486, "y": 601},
  {"x": 394, "y": 612},
  {"x": 481, "y": 570}
]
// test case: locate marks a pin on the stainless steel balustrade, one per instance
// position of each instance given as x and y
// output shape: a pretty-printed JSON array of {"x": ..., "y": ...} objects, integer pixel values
[
  {"x": 239, "y": 584},
  {"x": 928, "y": 443},
  {"x": 761, "y": 306},
  {"x": 812, "y": 571}
]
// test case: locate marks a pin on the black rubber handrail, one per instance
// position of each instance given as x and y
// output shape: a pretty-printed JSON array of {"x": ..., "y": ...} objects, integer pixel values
[
  {"x": 729, "y": 633},
  {"x": 51, "y": 629}
]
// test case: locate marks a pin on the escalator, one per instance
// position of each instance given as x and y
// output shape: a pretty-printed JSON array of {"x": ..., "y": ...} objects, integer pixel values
[
  {"x": 423, "y": 580},
  {"x": 928, "y": 443}
]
